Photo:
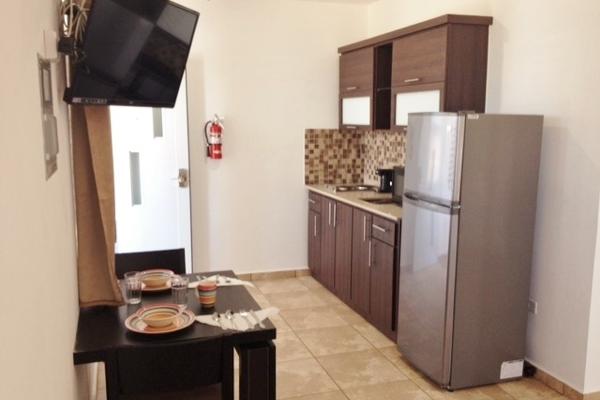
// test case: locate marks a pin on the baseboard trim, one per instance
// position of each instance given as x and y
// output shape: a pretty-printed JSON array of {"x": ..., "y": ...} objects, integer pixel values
[
  {"x": 563, "y": 388},
  {"x": 258, "y": 276}
]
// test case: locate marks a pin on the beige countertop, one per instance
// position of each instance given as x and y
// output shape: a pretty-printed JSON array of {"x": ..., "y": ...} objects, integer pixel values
[{"x": 390, "y": 211}]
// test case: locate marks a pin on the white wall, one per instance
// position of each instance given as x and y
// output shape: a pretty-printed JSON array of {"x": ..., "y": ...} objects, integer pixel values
[
  {"x": 592, "y": 371},
  {"x": 270, "y": 67},
  {"x": 37, "y": 247},
  {"x": 543, "y": 59}
]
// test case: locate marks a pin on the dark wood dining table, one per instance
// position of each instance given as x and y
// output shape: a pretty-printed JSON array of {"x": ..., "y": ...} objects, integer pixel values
[{"x": 187, "y": 357}]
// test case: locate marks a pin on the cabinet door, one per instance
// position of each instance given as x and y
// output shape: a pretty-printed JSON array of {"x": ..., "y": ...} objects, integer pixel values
[
  {"x": 356, "y": 89},
  {"x": 327, "y": 273},
  {"x": 355, "y": 111},
  {"x": 361, "y": 256},
  {"x": 314, "y": 243},
  {"x": 382, "y": 287},
  {"x": 420, "y": 58},
  {"x": 356, "y": 71},
  {"x": 416, "y": 99},
  {"x": 342, "y": 217}
]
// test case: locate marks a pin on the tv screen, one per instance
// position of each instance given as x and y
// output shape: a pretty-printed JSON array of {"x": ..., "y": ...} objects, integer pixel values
[{"x": 134, "y": 52}]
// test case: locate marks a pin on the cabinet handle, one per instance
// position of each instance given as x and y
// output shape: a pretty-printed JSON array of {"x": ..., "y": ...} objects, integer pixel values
[
  {"x": 329, "y": 213},
  {"x": 364, "y": 228},
  {"x": 351, "y": 88},
  {"x": 315, "y": 227},
  {"x": 311, "y": 201},
  {"x": 351, "y": 127},
  {"x": 379, "y": 228},
  {"x": 412, "y": 80},
  {"x": 334, "y": 215},
  {"x": 370, "y": 253}
]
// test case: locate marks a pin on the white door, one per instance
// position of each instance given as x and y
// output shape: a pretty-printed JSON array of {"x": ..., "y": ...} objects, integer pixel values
[{"x": 150, "y": 151}]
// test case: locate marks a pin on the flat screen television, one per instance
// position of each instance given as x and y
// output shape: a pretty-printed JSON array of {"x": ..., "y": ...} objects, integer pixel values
[{"x": 134, "y": 52}]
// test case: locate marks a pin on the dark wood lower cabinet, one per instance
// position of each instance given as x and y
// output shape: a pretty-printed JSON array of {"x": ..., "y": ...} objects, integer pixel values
[
  {"x": 314, "y": 243},
  {"x": 355, "y": 263},
  {"x": 382, "y": 287},
  {"x": 327, "y": 272},
  {"x": 361, "y": 274},
  {"x": 343, "y": 250}
]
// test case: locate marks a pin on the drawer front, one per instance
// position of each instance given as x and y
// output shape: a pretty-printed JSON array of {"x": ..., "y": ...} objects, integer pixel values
[
  {"x": 420, "y": 58},
  {"x": 314, "y": 202},
  {"x": 384, "y": 230},
  {"x": 356, "y": 71}
]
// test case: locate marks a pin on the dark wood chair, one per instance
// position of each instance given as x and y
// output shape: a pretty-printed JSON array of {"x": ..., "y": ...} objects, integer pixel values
[
  {"x": 193, "y": 371},
  {"x": 169, "y": 259}
]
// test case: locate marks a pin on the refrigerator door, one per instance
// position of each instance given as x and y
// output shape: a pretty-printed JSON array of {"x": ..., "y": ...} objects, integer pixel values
[
  {"x": 427, "y": 277},
  {"x": 434, "y": 154}
]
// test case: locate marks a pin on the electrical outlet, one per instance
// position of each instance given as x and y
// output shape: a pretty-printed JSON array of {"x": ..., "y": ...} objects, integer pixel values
[{"x": 532, "y": 306}]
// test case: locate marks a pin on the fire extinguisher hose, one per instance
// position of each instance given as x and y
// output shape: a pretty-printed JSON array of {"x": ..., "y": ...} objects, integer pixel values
[{"x": 206, "y": 136}]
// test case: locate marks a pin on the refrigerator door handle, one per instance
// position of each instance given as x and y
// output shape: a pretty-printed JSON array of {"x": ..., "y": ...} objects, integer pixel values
[{"x": 431, "y": 204}]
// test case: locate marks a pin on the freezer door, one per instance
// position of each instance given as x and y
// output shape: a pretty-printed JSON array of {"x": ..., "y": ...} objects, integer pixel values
[
  {"x": 434, "y": 153},
  {"x": 427, "y": 266}
]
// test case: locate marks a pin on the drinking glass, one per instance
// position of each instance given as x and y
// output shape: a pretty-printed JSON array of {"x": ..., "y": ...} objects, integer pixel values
[
  {"x": 179, "y": 286},
  {"x": 133, "y": 287}
]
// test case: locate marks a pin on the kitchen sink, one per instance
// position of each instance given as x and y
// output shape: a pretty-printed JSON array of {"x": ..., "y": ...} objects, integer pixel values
[{"x": 379, "y": 201}]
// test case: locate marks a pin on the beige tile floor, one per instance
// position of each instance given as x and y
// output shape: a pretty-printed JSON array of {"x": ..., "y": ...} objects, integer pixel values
[{"x": 326, "y": 351}]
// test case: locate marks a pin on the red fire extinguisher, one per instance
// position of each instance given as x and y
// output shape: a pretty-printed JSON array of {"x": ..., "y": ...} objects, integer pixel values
[{"x": 213, "y": 132}]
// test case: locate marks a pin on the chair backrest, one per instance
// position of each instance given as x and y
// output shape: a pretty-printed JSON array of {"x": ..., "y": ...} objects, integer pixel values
[
  {"x": 170, "y": 367},
  {"x": 169, "y": 259}
]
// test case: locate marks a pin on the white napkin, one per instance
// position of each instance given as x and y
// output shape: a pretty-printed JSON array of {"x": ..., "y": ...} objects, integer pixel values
[
  {"x": 238, "y": 322},
  {"x": 222, "y": 281}
]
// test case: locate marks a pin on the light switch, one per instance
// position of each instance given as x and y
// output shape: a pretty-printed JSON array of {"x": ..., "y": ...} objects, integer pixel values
[{"x": 49, "y": 125}]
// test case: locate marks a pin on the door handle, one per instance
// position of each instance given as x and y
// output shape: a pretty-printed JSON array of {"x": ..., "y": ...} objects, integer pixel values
[
  {"x": 370, "y": 253},
  {"x": 183, "y": 178},
  {"x": 315, "y": 227},
  {"x": 351, "y": 88},
  {"x": 329, "y": 213},
  {"x": 412, "y": 80}
]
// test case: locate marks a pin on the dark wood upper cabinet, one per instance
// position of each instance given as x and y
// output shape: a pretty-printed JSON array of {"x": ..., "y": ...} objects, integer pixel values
[
  {"x": 343, "y": 250},
  {"x": 356, "y": 89},
  {"x": 436, "y": 65},
  {"x": 356, "y": 71},
  {"x": 420, "y": 58}
]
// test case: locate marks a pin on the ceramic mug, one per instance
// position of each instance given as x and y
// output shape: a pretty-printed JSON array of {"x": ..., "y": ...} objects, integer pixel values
[{"x": 207, "y": 294}]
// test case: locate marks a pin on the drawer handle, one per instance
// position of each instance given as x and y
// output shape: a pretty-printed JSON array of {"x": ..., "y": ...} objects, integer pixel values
[
  {"x": 379, "y": 228},
  {"x": 311, "y": 201},
  {"x": 412, "y": 80},
  {"x": 351, "y": 88}
]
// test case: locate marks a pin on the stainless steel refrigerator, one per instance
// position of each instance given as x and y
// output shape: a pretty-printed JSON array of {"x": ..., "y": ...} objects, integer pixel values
[{"x": 469, "y": 210}]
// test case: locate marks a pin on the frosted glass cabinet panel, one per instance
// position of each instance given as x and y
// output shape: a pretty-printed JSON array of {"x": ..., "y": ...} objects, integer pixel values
[
  {"x": 413, "y": 102},
  {"x": 356, "y": 111}
]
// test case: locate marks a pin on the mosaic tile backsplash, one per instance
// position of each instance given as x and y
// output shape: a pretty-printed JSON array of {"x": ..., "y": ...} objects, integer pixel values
[
  {"x": 347, "y": 157},
  {"x": 332, "y": 156}
]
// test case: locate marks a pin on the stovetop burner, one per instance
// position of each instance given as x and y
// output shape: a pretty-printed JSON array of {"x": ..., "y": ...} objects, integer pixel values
[{"x": 355, "y": 188}]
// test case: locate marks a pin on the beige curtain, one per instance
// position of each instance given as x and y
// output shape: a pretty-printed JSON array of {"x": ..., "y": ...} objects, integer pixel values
[{"x": 95, "y": 206}]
